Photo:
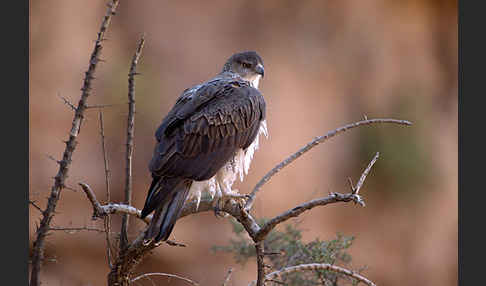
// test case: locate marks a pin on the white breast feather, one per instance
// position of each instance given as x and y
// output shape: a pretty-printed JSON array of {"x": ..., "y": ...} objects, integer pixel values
[{"x": 222, "y": 182}]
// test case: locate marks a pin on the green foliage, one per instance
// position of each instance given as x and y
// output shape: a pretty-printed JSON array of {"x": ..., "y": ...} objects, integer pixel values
[
  {"x": 286, "y": 248},
  {"x": 405, "y": 165}
]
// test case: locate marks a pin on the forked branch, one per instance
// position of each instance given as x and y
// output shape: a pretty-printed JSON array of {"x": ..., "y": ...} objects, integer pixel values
[{"x": 312, "y": 144}]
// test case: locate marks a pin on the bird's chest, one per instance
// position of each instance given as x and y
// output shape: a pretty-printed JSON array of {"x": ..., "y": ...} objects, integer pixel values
[{"x": 237, "y": 166}]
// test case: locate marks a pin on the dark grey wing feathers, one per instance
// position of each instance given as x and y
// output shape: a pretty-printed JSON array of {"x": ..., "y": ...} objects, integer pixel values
[{"x": 205, "y": 128}]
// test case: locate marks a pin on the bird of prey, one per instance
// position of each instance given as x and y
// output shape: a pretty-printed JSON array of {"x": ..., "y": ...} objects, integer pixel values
[{"x": 205, "y": 142}]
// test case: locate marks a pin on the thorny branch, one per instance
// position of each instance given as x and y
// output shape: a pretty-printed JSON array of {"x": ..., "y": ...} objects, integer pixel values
[
  {"x": 48, "y": 214},
  {"x": 129, "y": 144},
  {"x": 67, "y": 102}
]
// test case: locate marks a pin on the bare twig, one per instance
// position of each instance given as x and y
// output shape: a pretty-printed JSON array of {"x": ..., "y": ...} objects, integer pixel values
[
  {"x": 311, "y": 145},
  {"x": 296, "y": 211},
  {"x": 100, "y": 106},
  {"x": 98, "y": 211},
  {"x": 228, "y": 277},
  {"x": 76, "y": 229},
  {"x": 107, "y": 227},
  {"x": 35, "y": 206},
  {"x": 111, "y": 208},
  {"x": 174, "y": 243},
  {"x": 38, "y": 252},
  {"x": 318, "y": 266},
  {"x": 105, "y": 157},
  {"x": 67, "y": 102},
  {"x": 365, "y": 173},
  {"x": 107, "y": 221},
  {"x": 50, "y": 157},
  {"x": 129, "y": 144},
  {"x": 146, "y": 275},
  {"x": 271, "y": 253},
  {"x": 332, "y": 198}
]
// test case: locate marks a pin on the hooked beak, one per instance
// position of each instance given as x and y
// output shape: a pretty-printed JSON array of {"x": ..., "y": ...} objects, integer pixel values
[{"x": 260, "y": 70}]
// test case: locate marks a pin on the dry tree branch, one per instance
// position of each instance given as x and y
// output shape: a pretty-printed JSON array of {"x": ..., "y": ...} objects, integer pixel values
[
  {"x": 146, "y": 275},
  {"x": 332, "y": 198},
  {"x": 67, "y": 102},
  {"x": 260, "y": 236},
  {"x": 228, "y": 277},
  {"x": 98, "y": 211},
  {"x": 100, "y": 106},
  {"x": 318, "y": 266},
  {"x": 48, "y": 214},
  {"x": 311, "y": 145},
  {"x": 260, "y": 263},
  {"x": 111, "y": 208},
  {"x": 298, "y": 210},
  {"x": 35, "y": 206},
  {"x": 107, "y": 220},
  {"x": 129, "y": 144},
  {"x": 355, "y": 189},
  {"x": 76, "y": 229}
]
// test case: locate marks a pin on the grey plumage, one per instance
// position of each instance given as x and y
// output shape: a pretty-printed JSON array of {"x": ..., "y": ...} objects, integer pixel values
[{"x": 207, "y": 125}]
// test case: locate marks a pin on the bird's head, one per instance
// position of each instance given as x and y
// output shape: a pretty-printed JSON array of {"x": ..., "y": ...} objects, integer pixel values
[{"x": 248, "y": 65}]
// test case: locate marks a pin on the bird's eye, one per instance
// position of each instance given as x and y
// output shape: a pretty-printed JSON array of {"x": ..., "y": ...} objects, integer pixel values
[{"x": 246, "y": 65}]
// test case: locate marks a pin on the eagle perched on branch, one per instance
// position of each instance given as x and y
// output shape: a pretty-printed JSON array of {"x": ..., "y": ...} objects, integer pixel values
[{"x": 205, "y": 142}]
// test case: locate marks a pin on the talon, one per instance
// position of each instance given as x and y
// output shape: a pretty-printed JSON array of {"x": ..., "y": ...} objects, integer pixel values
[
  {"x": 146, "y": 242},
  {"x": 217, "y": 211}
]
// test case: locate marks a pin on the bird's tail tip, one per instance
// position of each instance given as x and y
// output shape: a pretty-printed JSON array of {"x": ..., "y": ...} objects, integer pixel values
[{"x": 166, "y": 214}]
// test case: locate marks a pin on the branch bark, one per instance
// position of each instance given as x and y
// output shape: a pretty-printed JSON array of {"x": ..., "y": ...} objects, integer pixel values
[
  {"x": 260, "y": 264},
  {"x": 107, "y": 222},
  {"x": 129, "y": 144},
  {"x": 48, "y": 213},
  {"x": 312, "y": 144},
  {"x": 146, "y": 275},
  {"x": 228, "y": 277},
  {"x": 318, "y": 266}
]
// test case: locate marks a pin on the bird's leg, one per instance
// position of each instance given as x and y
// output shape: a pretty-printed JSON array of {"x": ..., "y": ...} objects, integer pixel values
[
  {"x": 218, "y": 203},
  {"x": 227, "y": 194},
  {"x": 224, "y": 181}
]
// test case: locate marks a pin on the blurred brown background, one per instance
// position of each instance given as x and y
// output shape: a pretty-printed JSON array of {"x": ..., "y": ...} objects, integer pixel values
[{"x": 328, "y": 63}]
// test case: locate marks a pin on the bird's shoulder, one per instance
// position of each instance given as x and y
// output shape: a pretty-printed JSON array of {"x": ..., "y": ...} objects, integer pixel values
[{"x": 221, "y": 95}]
